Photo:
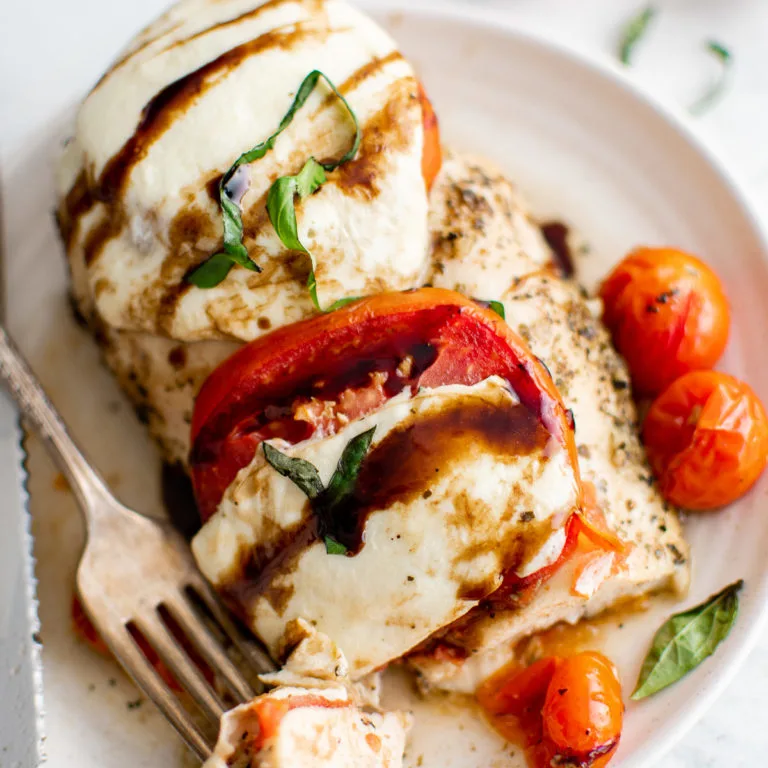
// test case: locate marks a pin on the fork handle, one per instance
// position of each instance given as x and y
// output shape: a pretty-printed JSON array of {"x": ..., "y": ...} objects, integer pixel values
[{"x": 26, "y": 390}]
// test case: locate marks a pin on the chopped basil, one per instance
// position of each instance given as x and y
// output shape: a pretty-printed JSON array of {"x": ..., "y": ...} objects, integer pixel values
[
  {"x": 332, "y": 547},
  {"x": 713, "y": 94},
  {"x": 341, "y": 485},
  {"x": 282, "y": 192},
  {"x": 686, "y": 639},
  {"x": 498, "y": 308},
  {"x": 301, "y": 473},
  {"x": 280, "y": 208},
  {"x": 494, "y": 306},
  {"x": 633, "y": 32}
]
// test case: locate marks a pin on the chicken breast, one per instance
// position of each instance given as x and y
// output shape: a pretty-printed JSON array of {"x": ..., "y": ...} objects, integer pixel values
[
  {"x": 481, "y": 231},
  {"x": 562, "y": 327},
  {"x": 475, "y": 216},
  {"x": 162, "y": 376},
  {"x": 309, "y": 728},
  {"x": 205, "y": 83},
  {"x": 461, "y": 484}
]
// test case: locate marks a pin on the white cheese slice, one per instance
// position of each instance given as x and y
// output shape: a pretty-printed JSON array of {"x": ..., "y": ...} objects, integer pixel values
[
  {"x": 425, "y": 561},
  {"x": 198, "y": 88}
]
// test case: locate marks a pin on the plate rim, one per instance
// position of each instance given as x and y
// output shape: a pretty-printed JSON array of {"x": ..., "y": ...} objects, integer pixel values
[{"x": 733, "y": 655}]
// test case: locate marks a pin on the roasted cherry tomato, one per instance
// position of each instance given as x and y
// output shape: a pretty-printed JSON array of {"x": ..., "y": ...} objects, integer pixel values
[
  {"x": 583, "y": 709},
  {"x": 707, "y": 439},
  {"x": 517, "y": 690},
  {"x": 667, "y": 313},
  {"x": 432, "y": 154},
  {"x": 561, "y": 711},
  {"x": 322, "y": 372}
]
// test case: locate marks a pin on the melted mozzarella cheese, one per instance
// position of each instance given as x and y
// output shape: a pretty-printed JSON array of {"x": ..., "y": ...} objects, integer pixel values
[
  {"x": 314, "y": 736},
  {"x": 204, "y": 84},
  {"x": 425, "y": 561}
]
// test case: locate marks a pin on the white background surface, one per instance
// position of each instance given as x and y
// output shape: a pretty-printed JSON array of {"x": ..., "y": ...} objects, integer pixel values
[{"x": 51, "y": 51}]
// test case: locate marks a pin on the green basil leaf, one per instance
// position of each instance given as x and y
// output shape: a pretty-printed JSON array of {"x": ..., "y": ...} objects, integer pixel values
[
  {"x": 281, "y": 197},
  {"x": 339, "y": 303},
  {"x": 312, "y": 284},
  {"x": 498, "y": 308},
  {"x": 343, "y": 480},
  {"x": 301, "y": 473},
  {"x": 310, "y": 178},
  {"x": 715, "y": 92},
  {"x": 281, "y": 201},
  {"x": 333, "y": 547},
  {"x": 494, "y": 306},
  {"x": 633, "y": 32},
  {"x": 281, "y": 209},
  {"x": 211, "y": 272},
  {"x": 686, "y": 639},
  {"x": 282, "y": 212},
  {"x": 234, "y": 252}
]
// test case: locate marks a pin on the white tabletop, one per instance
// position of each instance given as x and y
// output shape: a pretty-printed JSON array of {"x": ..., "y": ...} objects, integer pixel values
[{"x": 41, "y": 56}]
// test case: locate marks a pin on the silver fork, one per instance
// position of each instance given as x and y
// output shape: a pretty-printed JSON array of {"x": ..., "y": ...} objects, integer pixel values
[{"x": 134, "y": 572}]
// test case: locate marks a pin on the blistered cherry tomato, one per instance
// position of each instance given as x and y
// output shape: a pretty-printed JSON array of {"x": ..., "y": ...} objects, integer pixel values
[
  {"x": 707, "y": 439},
  {"x": 517, "y": 690},
  {"x": 667, "y": 313},
  {"x": 561, "y": 711},
  {"x": 583, "y": 710}
]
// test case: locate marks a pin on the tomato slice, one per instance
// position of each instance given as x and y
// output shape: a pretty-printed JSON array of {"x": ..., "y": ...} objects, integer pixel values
[
  {"x": 423, "y": 338},
  {"x": 270, "y": 712},
  {"x": 432, "y": 154}
]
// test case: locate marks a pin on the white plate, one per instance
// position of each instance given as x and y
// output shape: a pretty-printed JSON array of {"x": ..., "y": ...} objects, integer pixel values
[{"x": 583, "y": 144}]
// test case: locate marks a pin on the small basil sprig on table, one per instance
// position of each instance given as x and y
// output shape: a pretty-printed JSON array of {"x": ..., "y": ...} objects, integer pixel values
[
  {"x": 633, "y": 32},
  {"x": 686, "y": 639},
  {"x": 304, "y": 475},
  {"x": 281, "y": 212},
  {"x": 716, "y": 90}
]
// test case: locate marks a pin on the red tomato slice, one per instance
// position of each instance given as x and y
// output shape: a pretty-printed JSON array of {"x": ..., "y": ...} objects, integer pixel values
[
  {"x": 432, "y": 154},
  {"x": 428, "y": 337},
  {"x": 270, "y": 712}
]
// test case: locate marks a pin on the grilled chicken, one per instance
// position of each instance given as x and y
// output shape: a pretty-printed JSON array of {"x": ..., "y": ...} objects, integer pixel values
[
  {"x": 309, "y": 728},
  {"x": 139, "y": 210},
  {"x": 562, "y": 327},
  {"x": 314, "y": 718}
]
